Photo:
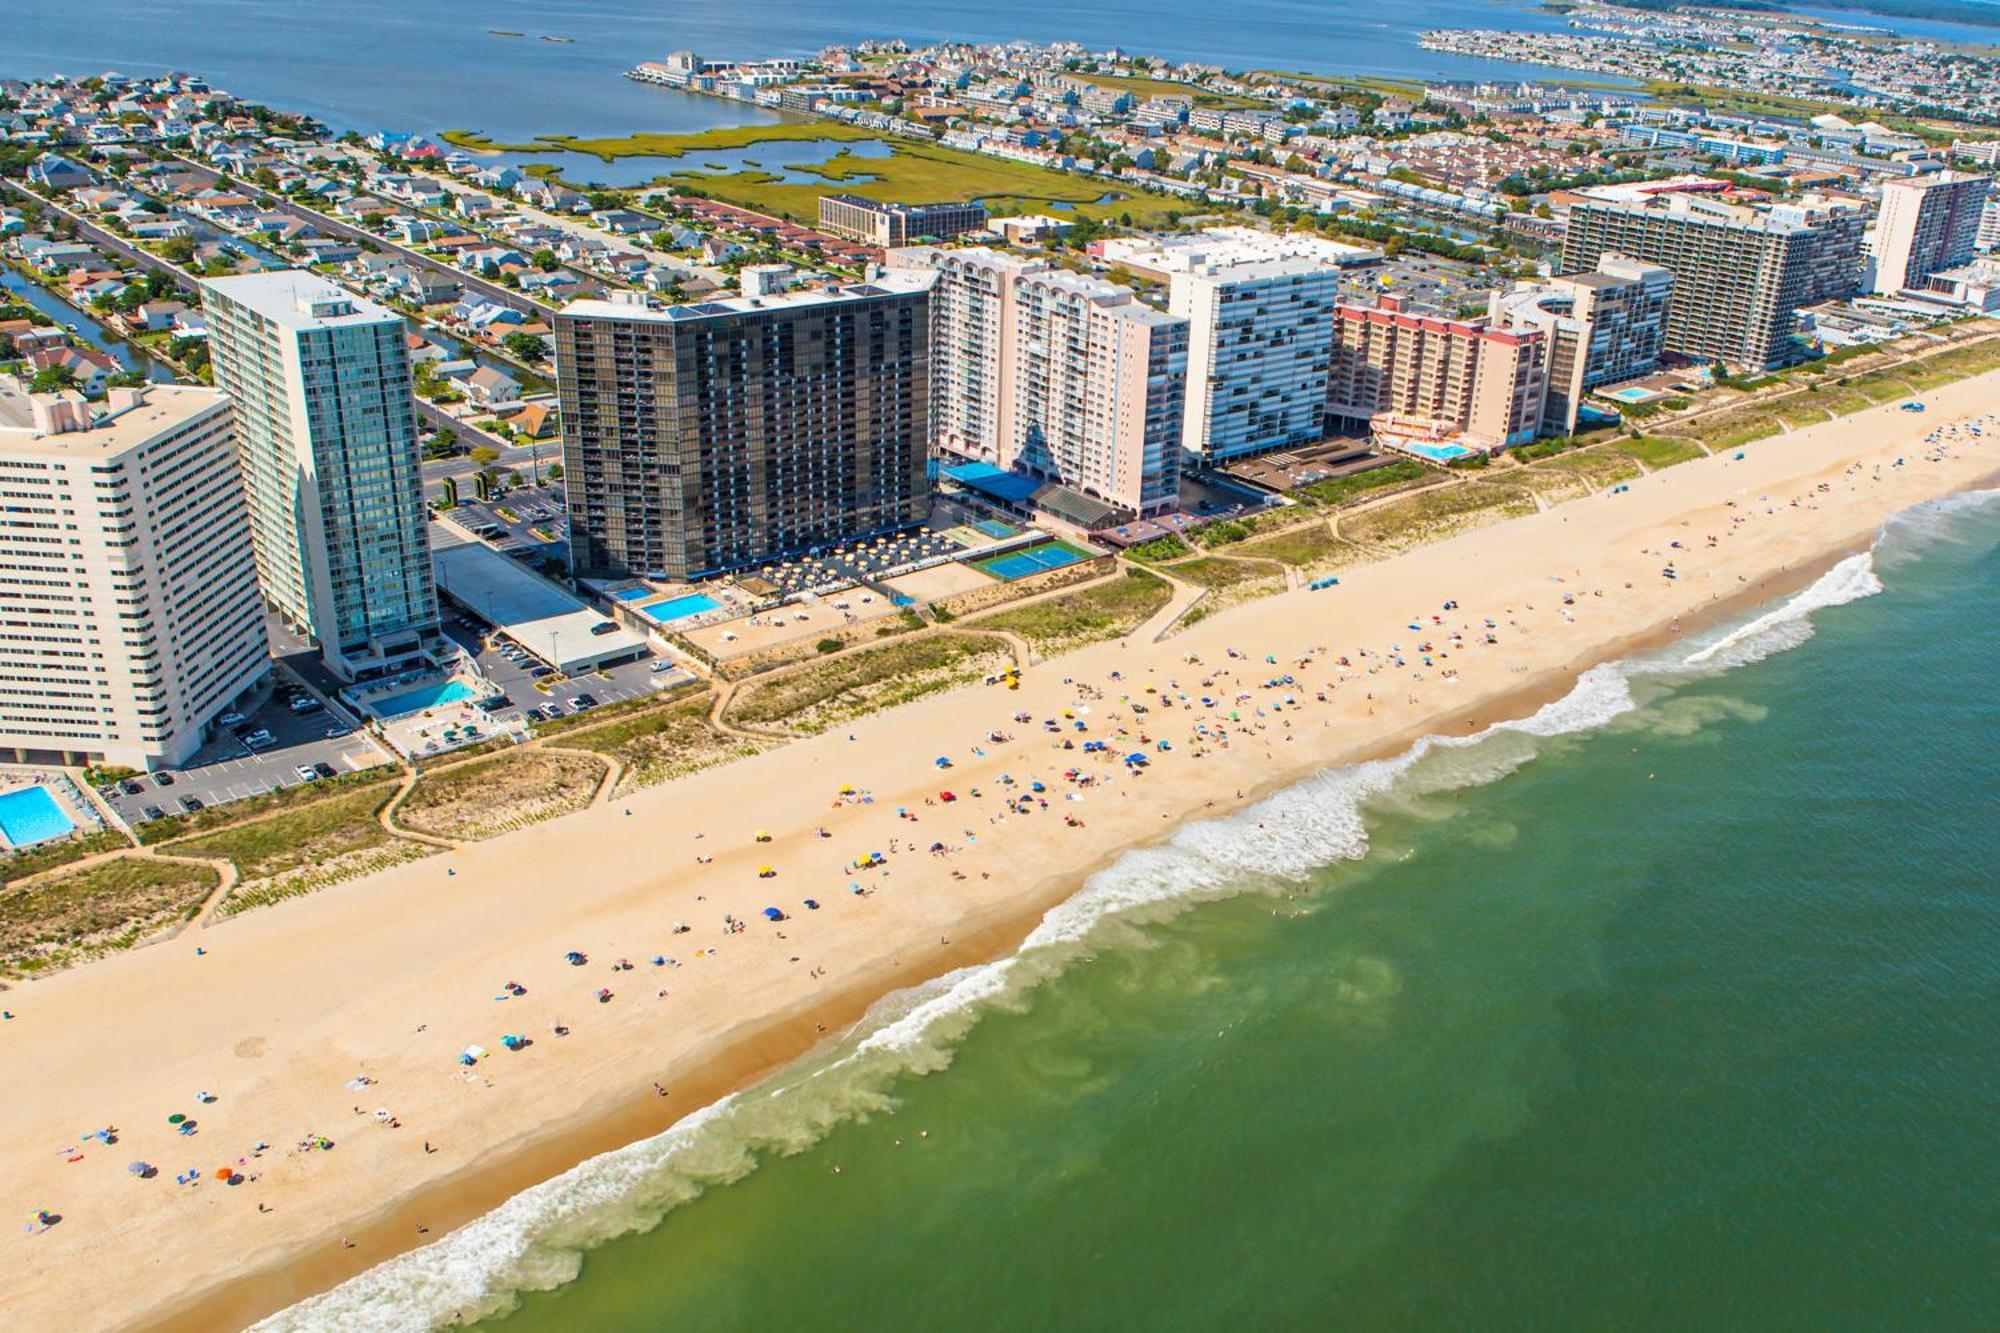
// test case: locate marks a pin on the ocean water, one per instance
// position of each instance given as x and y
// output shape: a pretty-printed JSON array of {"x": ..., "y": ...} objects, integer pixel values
[
  {"x": 389, "y": 64},
  {"x": 1673, "y": 1006}
]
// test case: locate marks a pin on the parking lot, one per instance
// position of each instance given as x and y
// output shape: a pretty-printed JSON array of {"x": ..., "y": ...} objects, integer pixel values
[
  {"x": 512, "y": 520},
  {"x": 515, "y": 678},
  {"x": 227, "y": 769}
]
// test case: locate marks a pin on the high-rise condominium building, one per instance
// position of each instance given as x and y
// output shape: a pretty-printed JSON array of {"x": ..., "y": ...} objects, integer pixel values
[
  {"x": 320, "y": 380},
  {"x": 1926, "y": 223},
  {"x": 129, "y": 615},
  {"x": 1739, "y": 276},
  {"x": 710, "y": 437},
  {"x": 1055, "y": 374},
  {"x": 876, "y": 223},
  {"x": 1260, "y": 341},
  {"x": 1602, "y": 328},
  {"x": 1100, "y": 382},
  {"x": 1416, "y": 378}
]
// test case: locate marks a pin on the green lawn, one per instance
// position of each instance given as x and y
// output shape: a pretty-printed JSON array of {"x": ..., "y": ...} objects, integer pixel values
[
  {"x": 1657, "y": 451},
  {"x": 1401, "y": 474}
]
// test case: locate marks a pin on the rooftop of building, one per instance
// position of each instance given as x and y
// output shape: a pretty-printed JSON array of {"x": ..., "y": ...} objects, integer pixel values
[
  {"x": 879, "y": 206},
  {"x": 1237, "y": 247},
  {"x": 899, "y": 282},
  {"x": 296, "y": 299},
  {"x": 66, "y": 423}
]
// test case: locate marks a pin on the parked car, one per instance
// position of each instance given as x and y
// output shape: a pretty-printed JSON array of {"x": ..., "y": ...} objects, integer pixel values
[
  {"x": 541, "y": 671},
  {"x": 324, "y": 769},
  {"x": 333, "y": 733},
  {"x": 191, "y": 803},
  {"x": 154, "y": 812},
  {"x": 232, "y": 719},
  {"x": 664, "y": 664},
  {"x": 307, "y": 773},
  {"x": 306, "y": 704},
  {"x": 164, "y": 778},
  {"x": 584, "y": 701},
  {"x": 258, "y": 739},
  {"x": 130, "y": 787}
]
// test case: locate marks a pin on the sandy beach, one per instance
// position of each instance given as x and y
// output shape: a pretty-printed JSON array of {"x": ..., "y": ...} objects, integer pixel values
[{"x": 390, "y": 979}]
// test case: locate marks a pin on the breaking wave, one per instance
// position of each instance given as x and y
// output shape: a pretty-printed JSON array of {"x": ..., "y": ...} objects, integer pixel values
[{"x": 536, "y": 1240}]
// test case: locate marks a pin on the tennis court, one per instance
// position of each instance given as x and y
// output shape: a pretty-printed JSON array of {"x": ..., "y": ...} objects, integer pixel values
[{"x": 1034, "y": 560}]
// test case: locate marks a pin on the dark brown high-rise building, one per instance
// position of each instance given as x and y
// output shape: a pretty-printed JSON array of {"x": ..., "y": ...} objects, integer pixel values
[{"x": 704, "y": 438}]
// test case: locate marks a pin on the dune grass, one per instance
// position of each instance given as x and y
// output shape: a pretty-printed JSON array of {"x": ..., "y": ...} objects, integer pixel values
[
  {"x": 1439, "y": 512},
  {"x": 487, "y": 797},
  {"x": 79, "y": 914},
  {"x": 657, "y": 744},
  {"x": 1090, "y": 614},
  {"x": 823, "y": 694}
]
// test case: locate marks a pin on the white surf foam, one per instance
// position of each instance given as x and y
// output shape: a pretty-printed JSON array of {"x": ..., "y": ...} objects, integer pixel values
[
  {"x": 1787, "y": 626},
  {"x": 535, "y": 1241}
]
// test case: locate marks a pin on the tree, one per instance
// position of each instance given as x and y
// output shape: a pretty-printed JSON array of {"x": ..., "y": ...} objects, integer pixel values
[
  {"x": 179, "y": 249},
  {"x": 52, "y": 379},
  {"x": 526, "y": 346},
  {"x": 554, "y": 472},
  {"x": 485, "y": 454},
  {"x": 545, "y": 260}
]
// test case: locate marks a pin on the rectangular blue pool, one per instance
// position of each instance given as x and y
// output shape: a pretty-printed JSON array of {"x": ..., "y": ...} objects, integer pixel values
[
  {"x": 681, "y": 607},
  {"x": 424, "y": 696},
  {"x": 31, "y": 815},
  {"x": 631, "y": 594}
]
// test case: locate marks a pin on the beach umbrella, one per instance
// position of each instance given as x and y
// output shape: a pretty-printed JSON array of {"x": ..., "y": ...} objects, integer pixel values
[
  {"x": 766, "y": 872},
  {"x": 773, "y": 914},
  {"x": 175, "y": 1118},
  {"x": 140, "y": 1168}
]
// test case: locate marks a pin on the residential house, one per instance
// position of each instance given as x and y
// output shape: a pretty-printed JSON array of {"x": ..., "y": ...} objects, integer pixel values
[
  {"x": 490, "y": 388},
  {"x": 158, "y": 316},
  {"x": 89, "y": 366},
  {"x": 54, "y": 172}
]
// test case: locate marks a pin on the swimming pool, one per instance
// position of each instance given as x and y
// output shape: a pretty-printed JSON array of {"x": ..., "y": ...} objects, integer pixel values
[
  {"x": 31, "y": 815},
  {"x": 424, "y": 696},
  {"x": 1439, "y": 453},
  {"x": 1034, "y": 560},
  {"x": 1632, "y": 394},
  {"x": 631, "y": 594},
  {"x": 681, "y": 607}
]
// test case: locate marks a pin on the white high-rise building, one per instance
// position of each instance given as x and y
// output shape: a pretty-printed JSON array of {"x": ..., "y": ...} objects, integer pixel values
[
  {"x": 129, "y": 615},
  {"x": 1926, "y": 223},
  {"x": 1260, "y": 341},
  {"x": 1260, "y": 311},
  {"x": 328, "y": 436}
]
